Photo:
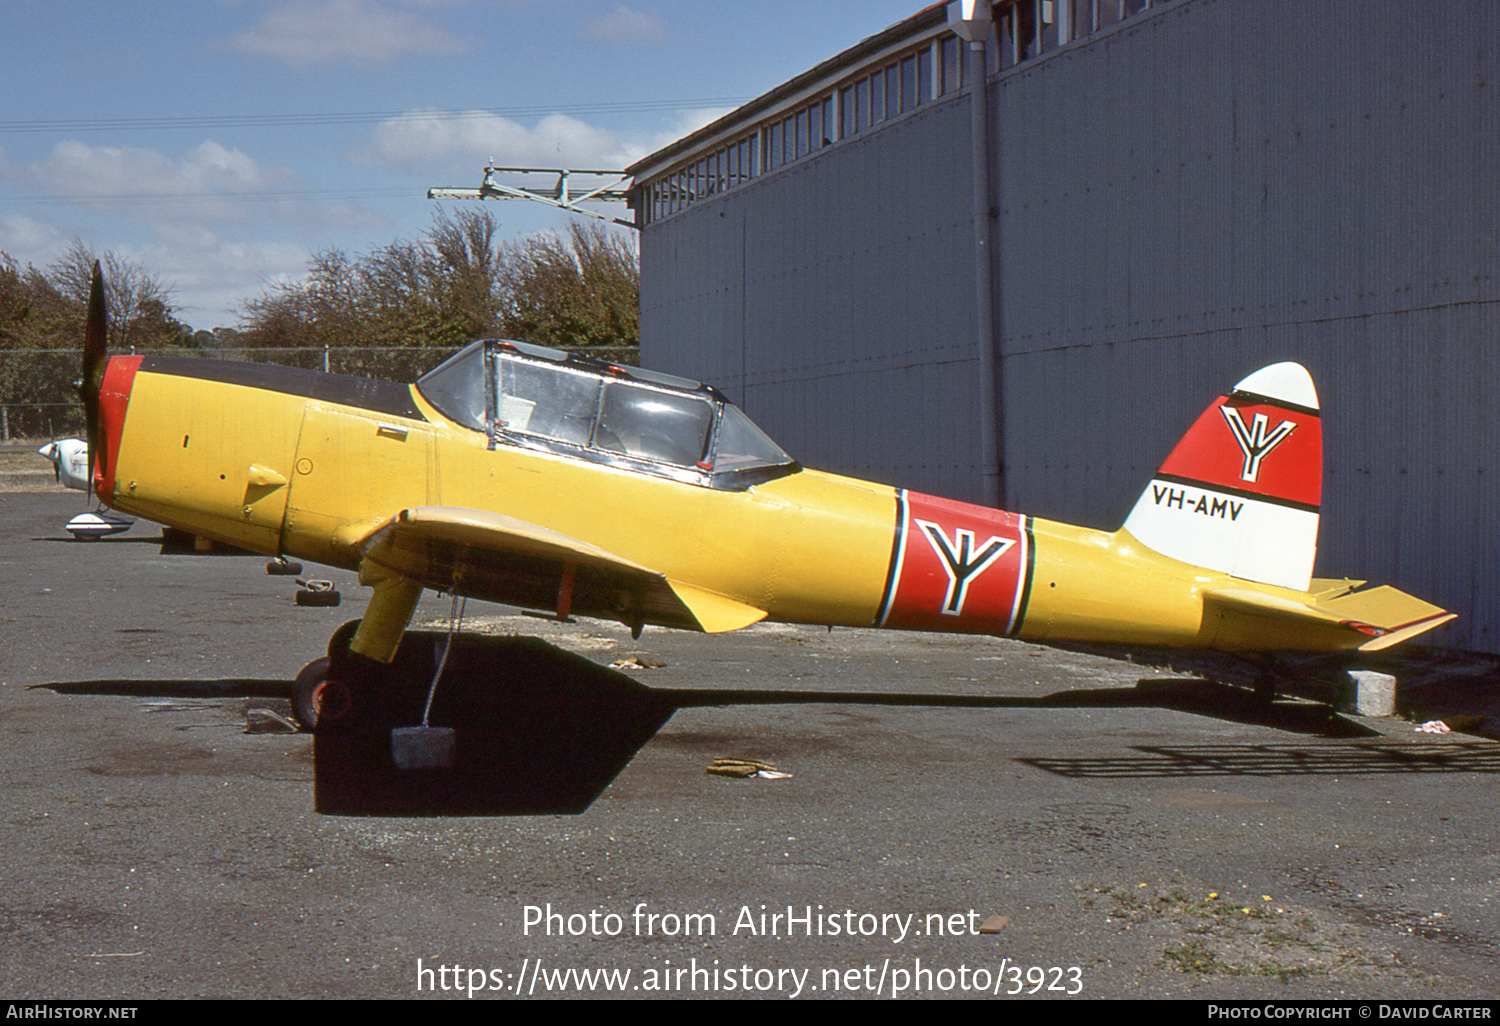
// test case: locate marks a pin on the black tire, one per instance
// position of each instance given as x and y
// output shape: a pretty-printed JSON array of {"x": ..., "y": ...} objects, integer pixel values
[
  {"x": 318, "y": 696},
  {"x": 338, "y": 644},
  {"x": 318, "y": 598},
  {"x": 283, "y": 568}
]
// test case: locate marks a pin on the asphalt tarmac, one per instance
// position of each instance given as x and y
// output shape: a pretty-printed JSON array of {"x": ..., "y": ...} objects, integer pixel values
[{"x": 1123, "y": 832}]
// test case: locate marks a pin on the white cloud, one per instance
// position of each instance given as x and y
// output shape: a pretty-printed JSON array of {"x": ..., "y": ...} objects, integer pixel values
[
  {"x": 165, "y": 213},
  {"x": 418, "y": 138},
  {"x": 627, "y": 26},
  {"x": 212, "y": 277},
  {"x": 202, "y": 183},
  {"x": 685, "y": 123},
  {"x": 209, "y": 184},
  {"x": 307, "y": 32},
  {"x": 30, "y": 241}
]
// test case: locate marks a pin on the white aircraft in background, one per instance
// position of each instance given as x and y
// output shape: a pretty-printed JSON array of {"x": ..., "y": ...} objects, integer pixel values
[{"x": 70, "y": 462}]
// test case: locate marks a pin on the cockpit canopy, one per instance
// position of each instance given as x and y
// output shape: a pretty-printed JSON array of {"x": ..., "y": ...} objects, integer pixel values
[{"x": 546, "y": 399}]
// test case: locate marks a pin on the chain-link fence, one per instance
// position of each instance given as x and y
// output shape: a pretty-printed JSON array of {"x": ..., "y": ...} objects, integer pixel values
[{"x": 39, "y": 397}]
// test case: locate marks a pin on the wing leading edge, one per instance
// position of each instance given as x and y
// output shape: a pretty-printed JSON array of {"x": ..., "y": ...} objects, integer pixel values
[{"x": 501, "y": 559}]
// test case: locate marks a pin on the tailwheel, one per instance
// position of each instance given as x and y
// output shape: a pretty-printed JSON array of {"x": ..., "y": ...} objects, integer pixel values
[
  {"x": 1266, "y": 680},
  {"x": 317, "y": 695}
]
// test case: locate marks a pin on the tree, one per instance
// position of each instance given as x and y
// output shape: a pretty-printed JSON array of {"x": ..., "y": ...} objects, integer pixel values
[
  {"x": 467, "y": 270},
  {"x": 46, "y": 311},
  {"x": 140, "y": 311},
  {"x": 582, "y": 290},
  {"x": 437, "y": 291},
  {"x": 458, "y": 283},
  {"x": 33, "y": 313}
]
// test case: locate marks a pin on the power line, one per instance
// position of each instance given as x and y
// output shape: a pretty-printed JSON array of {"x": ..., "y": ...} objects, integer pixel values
[
  {"x": 142, "y": 198},
  {"x": 208, "y": 197},
  {"x": 142, "y": 124}
]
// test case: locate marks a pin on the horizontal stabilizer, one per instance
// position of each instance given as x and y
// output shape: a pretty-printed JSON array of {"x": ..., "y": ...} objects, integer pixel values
[
  {"x": 1366, "y": 620},
  {"x": 1388, "y": 615},
  {"x": 1332, "y": 587}
]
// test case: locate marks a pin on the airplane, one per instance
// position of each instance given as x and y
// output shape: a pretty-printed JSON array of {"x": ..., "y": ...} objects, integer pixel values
[
  {"x": 527, "y": 476},
  {"x": 69, "y": 457}
]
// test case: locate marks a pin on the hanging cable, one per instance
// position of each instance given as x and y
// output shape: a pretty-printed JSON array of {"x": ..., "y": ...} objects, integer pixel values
[{"x": 455, "y": 614}]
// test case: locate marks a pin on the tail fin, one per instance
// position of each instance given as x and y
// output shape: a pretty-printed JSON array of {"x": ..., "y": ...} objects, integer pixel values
[{"x": 1240, "y": 493}]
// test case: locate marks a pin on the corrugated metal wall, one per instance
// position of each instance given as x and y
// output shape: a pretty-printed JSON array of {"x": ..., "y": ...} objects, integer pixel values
[
  {"x": 771, "y": 293},
  {"x": 1216, "y": 186}
]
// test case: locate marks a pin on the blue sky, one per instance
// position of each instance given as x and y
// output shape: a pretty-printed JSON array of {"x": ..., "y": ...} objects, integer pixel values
[{"x": 221, "y": 143}]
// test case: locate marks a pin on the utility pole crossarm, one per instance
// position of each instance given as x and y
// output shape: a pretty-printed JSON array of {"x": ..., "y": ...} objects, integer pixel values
[{"x": 559, "y": 195}]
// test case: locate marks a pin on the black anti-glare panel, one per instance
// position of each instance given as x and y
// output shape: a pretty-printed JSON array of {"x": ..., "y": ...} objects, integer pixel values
[{"x": 371, "y": 394}]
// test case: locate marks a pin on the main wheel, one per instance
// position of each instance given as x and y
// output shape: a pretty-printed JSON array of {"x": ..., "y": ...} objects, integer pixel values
[
  {"x": 338, "y": 644},
  {"x": 317, "y": 695}
]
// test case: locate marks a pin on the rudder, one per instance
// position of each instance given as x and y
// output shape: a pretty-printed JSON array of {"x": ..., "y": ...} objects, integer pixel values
[{"x": 1240, "y": 492}]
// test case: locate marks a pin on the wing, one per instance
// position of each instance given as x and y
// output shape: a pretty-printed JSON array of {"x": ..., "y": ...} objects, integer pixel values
[{"x": 501, "y": 559}]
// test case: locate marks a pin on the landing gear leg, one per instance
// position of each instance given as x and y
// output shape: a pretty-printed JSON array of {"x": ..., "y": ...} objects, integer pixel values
[{"x": 391, "y": 606}]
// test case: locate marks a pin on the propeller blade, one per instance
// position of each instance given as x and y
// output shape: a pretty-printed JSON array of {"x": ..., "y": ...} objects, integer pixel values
[{"x": 95, "y": 340}]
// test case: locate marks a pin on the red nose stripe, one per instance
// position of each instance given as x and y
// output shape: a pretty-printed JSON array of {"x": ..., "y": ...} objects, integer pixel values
[{"x": 114, "y": 397}]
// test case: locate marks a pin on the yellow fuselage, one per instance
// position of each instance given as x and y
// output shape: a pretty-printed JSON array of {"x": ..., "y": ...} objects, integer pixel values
[{"x": 290, "y": 474}]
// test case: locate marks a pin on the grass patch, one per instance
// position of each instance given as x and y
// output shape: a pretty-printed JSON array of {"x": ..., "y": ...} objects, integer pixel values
[{"x": 1204, "y": 933}]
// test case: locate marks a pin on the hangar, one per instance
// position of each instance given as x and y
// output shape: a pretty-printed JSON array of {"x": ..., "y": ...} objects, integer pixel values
[{"x": 1136, "y": 204}]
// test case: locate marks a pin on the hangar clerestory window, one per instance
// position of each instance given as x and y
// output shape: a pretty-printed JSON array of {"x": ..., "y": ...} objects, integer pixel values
[{"x": 863, "y": 95}]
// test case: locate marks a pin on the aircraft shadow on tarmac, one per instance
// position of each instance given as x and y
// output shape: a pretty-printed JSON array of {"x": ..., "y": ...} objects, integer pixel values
[
  {"x": 169, "y": 546},
  {"x": 547, "y": 730},
  {"x": 54, "y": 540}
]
